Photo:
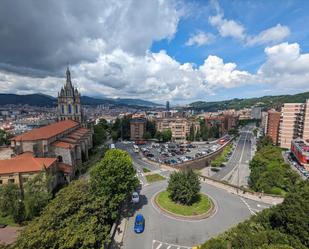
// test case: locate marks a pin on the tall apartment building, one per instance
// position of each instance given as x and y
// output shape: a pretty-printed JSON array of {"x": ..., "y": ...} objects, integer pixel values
[
  {"x": 272, "y": 125},
  {"x": 137, "y": 128},
  {"x": 224, "y": 122},
  {"x": 294, "y": 123},
  {"x": 180, "y": 127}
]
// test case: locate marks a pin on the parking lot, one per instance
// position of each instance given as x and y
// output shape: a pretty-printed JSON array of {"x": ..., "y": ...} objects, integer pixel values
[{"x": 175, "y": 153}]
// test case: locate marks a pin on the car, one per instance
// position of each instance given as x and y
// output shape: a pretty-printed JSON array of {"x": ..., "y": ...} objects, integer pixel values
[
  {"x": 135, "y": 197},
  {"x": 139, "y": 223}
]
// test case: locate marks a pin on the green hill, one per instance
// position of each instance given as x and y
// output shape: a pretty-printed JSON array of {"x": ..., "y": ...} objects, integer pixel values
[{"x": 265, "y": 101}]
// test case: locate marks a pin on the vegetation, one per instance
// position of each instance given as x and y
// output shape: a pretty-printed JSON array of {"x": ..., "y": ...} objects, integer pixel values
[
  {"x": 269, "y": 173},
  {"x": 164, "y": 136},
  {"x": 150, "y": 129},
  {"x": 222, "y": 157},
  {"x": 101, "y": 131},
  {"x": 24, "y": 205},
  {"x": 201, "y": 206},
  {"x": 266, "y": 101},
  {"x": 145, "y": 170},
  {"x": 114, "y": 179},
  {"x": 154, "y": 178},
  {"x": 281, "y": 227},
  {"x": 121, "y": 128},
  {"x": 183, "y": 187},
  {"x": 5, "y": 137},
  {"x": 208, "y": 133},
  {"x": 81, "y": 214}
]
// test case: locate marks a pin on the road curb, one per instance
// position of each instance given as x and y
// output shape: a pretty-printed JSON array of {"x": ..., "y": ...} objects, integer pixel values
[{"x": 206, "y": 215}]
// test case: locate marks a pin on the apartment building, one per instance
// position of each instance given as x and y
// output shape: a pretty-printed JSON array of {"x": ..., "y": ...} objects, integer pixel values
[
  {"x": 180, "y": 127},
  {"x": 272, "y": 124},
  {"x": 294, "y": 123},
  {"x": 300, "y": 149},
  {"x": 137, "y": 128},
  {"x": 224, "y": 122}
]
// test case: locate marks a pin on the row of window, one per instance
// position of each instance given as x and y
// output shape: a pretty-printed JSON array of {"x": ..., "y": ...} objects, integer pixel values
[{"x": 69, "y": 109}]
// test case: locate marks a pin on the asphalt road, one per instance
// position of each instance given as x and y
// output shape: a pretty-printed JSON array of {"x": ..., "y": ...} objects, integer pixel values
[
  {"x": 164, "y": 232},
  {"x": 237, "y": 169}
]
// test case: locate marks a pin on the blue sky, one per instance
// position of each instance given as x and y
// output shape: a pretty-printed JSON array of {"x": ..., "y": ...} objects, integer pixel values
[{"x": 176, "y": 50}]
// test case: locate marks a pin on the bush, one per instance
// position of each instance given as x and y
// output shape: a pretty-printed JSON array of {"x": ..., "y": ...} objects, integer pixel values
[{"x": 183, "y": 187}]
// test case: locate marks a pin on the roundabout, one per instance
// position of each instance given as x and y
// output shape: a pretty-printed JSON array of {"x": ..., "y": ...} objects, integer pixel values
[
  {"x": 163, "y": 230},
  {"x": 202, "y": 208}
]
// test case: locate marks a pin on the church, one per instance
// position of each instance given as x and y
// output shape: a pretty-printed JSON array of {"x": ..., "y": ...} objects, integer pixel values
[{"x": 59, "y": 148}]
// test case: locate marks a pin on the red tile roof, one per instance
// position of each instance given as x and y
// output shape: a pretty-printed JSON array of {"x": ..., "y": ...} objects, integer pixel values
[
  {"x": 47, "y": 131},
  {"x": 64, "y": 145},
  {"x": 25, "y": 163}
]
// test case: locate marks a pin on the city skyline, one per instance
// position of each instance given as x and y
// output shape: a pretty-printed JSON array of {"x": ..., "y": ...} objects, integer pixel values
[{"x": 181, "y": 51}]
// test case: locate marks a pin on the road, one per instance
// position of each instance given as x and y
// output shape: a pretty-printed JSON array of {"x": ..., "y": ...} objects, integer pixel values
[
  {"x": 164, "y": 232},
  {"x": 237, "y": 169}
]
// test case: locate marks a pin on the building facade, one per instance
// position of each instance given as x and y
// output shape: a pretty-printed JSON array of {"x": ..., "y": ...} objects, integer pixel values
[
  {"x": 300, "y": 149},
  {"x": 69, "y": 106},
  {"x": 137, "y": 128},
  {"x": 294, "y": 123},
  {"x": 272, "y": 125},
  {"x": 224, "y": 122},
  {"x": 180, "y": 127}
]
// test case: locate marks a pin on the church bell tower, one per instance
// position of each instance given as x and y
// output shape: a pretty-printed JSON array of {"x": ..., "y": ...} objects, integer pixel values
[{"x": 69, "y": 106}]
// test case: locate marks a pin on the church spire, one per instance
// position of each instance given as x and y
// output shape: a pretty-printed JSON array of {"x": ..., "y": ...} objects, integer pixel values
[{"x": 68, "y": 82}]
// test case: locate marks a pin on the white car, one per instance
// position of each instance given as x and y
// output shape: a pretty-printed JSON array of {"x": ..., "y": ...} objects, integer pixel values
[{"x": 135, "y": 197}]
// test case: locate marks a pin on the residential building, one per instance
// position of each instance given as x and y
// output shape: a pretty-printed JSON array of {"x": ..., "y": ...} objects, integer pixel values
[
  {"x": 180, "y": 127},
  {"x": 256, "y": 112},
  {"x": 300, "y": 149},
  {"x": 224, "y": 122},
  {"x": 272, "y": 125},
  {"x": 137, "y": 128},
  {"x": 292, "y": 123}
]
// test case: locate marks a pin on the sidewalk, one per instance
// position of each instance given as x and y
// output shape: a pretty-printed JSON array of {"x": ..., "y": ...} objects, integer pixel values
[
  {"x": 9, "y": 234},
  {"x": 117, "y": 240}
]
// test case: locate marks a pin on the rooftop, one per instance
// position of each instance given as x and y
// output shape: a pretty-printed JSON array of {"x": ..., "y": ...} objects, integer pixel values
[
  {"x": 25, "y": 162},
  {"x": 47, "y": 131}
]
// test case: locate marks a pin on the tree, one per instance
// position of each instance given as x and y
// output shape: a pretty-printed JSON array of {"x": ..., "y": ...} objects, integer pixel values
[
  {"x": 166, "y": 135},
  {"x": 158, "y": 135},
  {"x": 264, "y": 141},
  {"x": 114, "y": 178},
  {"x": 184, "y": 187},
  {"x": 10, "y": 198},
  {"x": 36, "y": 195},
  {"x": 151, "y": 128},
  {"x": 5, "y": 137},
  {"x": 75, "y": 219},
  {"x": 191, "y": 134}
]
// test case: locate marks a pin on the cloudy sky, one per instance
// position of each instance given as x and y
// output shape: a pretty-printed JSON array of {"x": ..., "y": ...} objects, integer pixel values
[{"x": 156, "y": 50}]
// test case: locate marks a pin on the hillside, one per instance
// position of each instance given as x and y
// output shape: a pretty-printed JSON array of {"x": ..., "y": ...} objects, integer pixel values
[
  {"x": 265, "y": 101},
  {"x": 45, "y": 100}
]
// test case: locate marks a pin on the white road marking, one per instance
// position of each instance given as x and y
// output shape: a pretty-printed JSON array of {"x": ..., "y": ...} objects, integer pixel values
[
  {"x": 250, "y": 209},
  {"x": 168, "y": 247},
  {"x": 159, "y": 246}
]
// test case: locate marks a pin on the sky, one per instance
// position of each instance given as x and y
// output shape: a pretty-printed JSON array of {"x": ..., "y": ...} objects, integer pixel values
[{"x": 158, "y": 50}]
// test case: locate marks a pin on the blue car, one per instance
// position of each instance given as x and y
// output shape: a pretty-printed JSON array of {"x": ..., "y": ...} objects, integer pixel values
[{"x": 139, "y": 224}]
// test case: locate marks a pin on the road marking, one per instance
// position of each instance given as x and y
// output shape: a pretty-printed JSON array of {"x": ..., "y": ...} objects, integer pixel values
[
  {"x": 159, "y": 246},
  {"x": 250, "y": 209},
  {"x": 169, "y": 247}
]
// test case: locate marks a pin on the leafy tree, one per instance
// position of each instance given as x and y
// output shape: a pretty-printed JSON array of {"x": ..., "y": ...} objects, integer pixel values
[
  {"x": 158, "y": 135},
  {"x": 166, "y": 135},
  {"x": 5, "y": 137},
  {"x": 10, "y": 198},
  {"x": 36, "y": 196},
  {"x": 264, "y": 141},
  {"x": 147, "y": 135},
  {"x": 191, "y": 135},
  {"x": 184, "y": 187},
  {"x": 100, "y": 132},
  {"x": 121, "y": 128},
  {"x": 114, "y": 178},
  {"x": 75, "y": 219},
  {"x": 151, "y": 128}
]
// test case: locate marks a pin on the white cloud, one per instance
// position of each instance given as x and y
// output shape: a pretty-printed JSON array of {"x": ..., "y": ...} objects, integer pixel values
[
  {"x": 271, "y": 35},
  {"x": 227, "y": 28},
  {"x": 200, "y": 39},
  {"x": 232, "y": 28}
]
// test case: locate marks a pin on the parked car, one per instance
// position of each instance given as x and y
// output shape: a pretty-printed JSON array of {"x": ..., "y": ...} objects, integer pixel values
[
  {"x": 139, "y": 224},
  {"x": 135, "y": 197}
]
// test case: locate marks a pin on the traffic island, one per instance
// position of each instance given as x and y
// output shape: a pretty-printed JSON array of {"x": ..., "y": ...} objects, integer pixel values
[{"x": 203, "y": 208}]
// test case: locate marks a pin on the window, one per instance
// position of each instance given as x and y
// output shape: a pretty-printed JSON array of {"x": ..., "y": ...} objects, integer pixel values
[
  {"x": 11, "y": 180},
  {"x": 70, "y": 109},
  {"x": 1, "y": 182},
  {"x": 76, "y": 109},
  {"x": 62, "y": 108},
  {"x": 25, "y": 179}
]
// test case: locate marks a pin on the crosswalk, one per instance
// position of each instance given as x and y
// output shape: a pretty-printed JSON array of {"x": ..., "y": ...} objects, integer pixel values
[{"x": 156, "y": 244}]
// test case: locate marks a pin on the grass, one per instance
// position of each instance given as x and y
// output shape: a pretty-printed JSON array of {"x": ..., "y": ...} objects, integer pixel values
[
  {"x": 145, "y": 170},
  {"x": 201, "y": 206},
  {"x": 7, "y": 220},
  {"x": 154, "y": 178}
]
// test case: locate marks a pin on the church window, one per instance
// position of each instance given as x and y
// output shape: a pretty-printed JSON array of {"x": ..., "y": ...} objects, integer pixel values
[
  {"x": 70, "y": 109},
  {"x": 62, "y": 108},
  {"x": 76, "y": 109}
]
